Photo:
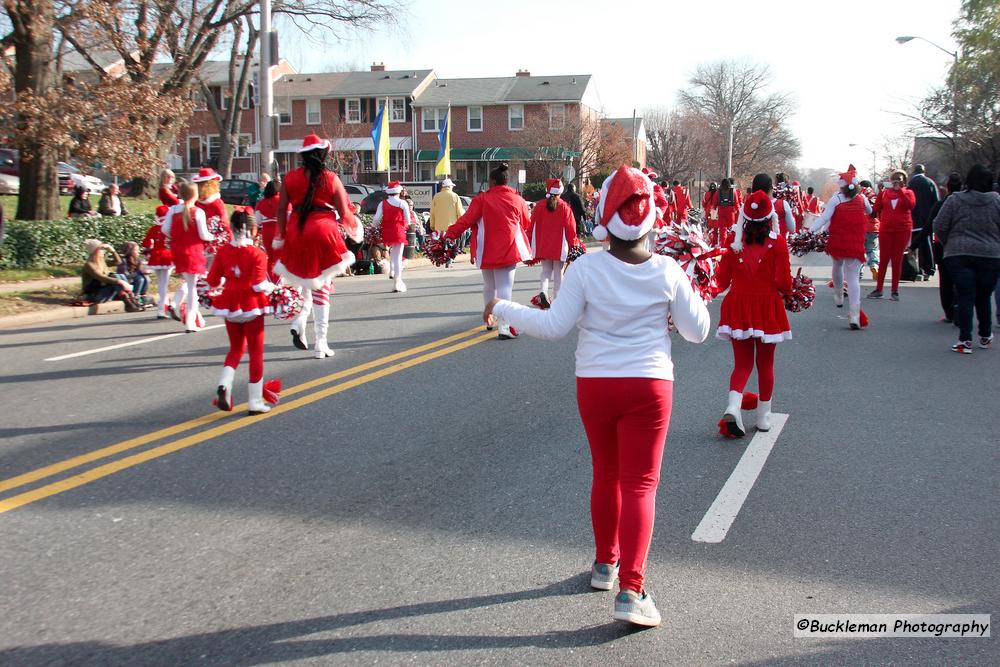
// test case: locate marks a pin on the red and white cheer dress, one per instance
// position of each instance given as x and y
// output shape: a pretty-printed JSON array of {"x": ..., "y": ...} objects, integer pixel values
[
  {"x": 246, "y": 288},
  {"x": 756, "y": 277}
]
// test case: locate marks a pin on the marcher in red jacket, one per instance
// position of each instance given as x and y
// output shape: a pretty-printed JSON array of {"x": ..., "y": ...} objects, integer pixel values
[
  {"x": 682, "y": 202},
  {"x": 241, "y": 268},
  {"x": 894, "y": 209},
  {"x": 725, "y": 208},
  {"x": 552, "y": 233},
  {"x": 756, "y": 271},
  {"x": 500, "y": 219}
]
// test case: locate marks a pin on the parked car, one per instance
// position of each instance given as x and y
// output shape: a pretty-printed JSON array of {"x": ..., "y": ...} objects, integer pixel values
[
  {"x": 357, "y": 192},
  {"x": 370, "y": 203},
  {"x": 9, "y": 185},
  {"x": 9, "y": 162},
  {"x": 235, "y": 191},
  {"x": 466, "y": 201},
  {"x": 70, "y": 177}
]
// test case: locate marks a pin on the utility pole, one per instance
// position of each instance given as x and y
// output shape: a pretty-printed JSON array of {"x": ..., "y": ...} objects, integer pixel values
[
  {"x": 265, "y": 112},
  {"x": 729, "y": 153}
]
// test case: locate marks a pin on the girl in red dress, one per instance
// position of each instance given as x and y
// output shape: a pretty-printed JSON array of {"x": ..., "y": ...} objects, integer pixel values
[
  {"x": 160, "y": 260},
  {"x": 846, "y": 215},
  {"x": 267, "y": 222},
  {"x": 756, "y": 270},
  {"x": 241, "y": 268},
  {"x": 394, "y": 215},
  {"x": 552, "y": 233},
  {"x": 312, "y": 248},
  {"x": 209, "y": 201},
  {"x": 186, "y": 228},
  {"x": 168, "y": 188}
]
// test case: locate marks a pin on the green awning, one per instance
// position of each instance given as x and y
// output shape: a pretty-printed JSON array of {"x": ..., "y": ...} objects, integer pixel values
[{"x": 478, "y": 154}]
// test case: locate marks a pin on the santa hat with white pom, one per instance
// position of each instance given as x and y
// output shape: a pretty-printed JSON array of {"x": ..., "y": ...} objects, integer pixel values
[
  {"x": 553, "y": 186},
  {"x": 626, "y": 206},
  {"x": 757, "y": 207},
  {"x": 849, "y": 178}
]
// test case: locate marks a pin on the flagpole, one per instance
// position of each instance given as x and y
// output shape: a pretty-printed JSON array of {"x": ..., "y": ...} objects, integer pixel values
[{"x": 388, "y": 158}]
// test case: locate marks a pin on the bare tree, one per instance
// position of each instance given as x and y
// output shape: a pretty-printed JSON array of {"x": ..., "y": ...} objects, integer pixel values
[
  {"x": 592, "y": 146},
  {"x": 734, "y": 95},
  {"x": 677, "y": 143}
]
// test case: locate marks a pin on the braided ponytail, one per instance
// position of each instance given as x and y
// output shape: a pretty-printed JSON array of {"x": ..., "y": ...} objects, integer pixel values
[{"x": 314, "y": 162}]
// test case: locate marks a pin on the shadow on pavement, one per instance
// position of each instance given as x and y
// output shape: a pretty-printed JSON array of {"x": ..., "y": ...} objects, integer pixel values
[{"x": 277, "y": 643}]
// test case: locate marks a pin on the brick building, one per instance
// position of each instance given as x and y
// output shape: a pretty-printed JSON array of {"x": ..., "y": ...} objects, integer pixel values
[{"x": 635, "y": 132}]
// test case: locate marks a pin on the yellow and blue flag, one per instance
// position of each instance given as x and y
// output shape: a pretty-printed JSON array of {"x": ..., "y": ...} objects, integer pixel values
[
  {"x": 380, "y": 138},
  {"x": 443, "y": 166}
]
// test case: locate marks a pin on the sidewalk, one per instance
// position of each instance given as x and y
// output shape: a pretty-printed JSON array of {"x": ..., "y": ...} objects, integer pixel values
[{"x": 28, "y": 285}]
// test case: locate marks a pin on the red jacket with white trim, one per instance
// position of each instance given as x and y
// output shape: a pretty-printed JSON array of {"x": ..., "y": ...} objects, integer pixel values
[{"x": 498, "y": 219}]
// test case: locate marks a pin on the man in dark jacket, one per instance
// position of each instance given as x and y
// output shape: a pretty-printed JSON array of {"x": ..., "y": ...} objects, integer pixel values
[
  {"x": 926, "y": 192},
  {"x": 575, "y": 205}
]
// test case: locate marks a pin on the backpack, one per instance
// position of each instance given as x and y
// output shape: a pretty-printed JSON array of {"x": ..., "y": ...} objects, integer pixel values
[{"x": 726, "y": 197}]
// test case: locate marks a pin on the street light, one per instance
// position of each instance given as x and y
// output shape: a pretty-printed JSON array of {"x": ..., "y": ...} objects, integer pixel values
[
  {"x": 952, "y": 80},
  {"x": 874, "y": 162}
]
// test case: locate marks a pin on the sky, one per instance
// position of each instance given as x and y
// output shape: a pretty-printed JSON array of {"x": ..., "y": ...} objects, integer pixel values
[{"x": 839, "y": 61}]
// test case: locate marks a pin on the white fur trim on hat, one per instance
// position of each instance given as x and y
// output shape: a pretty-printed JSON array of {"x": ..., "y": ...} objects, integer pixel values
[
  {"x": 556, "y": 191},
  {"x": 394, "y": 190},
  {"x": 615, "y": 225}
]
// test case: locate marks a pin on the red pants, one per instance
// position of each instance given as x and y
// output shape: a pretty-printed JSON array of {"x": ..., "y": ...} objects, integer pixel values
[
  {"x": 891, "y": 246},
  {"x": 244, "y": 335},
  {"x": 626, "y": 420},
  {"x": 744, "y": 352},
  {"x": 720, "y": 237}
]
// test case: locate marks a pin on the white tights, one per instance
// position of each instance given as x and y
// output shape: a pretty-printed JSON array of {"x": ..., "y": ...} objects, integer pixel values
[
  {"x": 396, "y": 260},
  {"x": 498, "y": 283},
  {"x": 852, "y": 269},
  {"x": 552, "y": 269},
  {"x": 162, "y": 285}
]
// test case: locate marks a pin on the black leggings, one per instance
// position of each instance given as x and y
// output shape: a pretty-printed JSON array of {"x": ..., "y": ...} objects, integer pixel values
[{"x": 102, "y": 294}]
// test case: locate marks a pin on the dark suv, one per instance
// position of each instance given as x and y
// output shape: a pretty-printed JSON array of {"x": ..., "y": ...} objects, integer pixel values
[{"x": 235, "y": 191}]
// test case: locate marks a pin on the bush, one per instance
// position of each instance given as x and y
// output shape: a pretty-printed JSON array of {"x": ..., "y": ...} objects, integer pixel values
[
  {"x": 533, "y": 191},
  {"x": 39, "y": 243}
]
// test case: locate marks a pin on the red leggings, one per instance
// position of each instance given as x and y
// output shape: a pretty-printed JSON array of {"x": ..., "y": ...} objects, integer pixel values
[
  {"x": 891, "y": 246},
  {"x": 247, "y": 334},
  {"x": 626, "y": 421},
  {"x": 743, "y": 359}
]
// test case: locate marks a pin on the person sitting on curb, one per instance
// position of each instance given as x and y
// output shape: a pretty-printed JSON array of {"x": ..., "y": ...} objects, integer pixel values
[
  {"x": 101, "y": 286},
  {"x": 134, "y": 271}
]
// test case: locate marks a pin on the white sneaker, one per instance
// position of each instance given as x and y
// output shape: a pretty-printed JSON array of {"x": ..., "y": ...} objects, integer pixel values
[
  {"x": 603, "y": 576},
  {"x": 636, "y": 609}
]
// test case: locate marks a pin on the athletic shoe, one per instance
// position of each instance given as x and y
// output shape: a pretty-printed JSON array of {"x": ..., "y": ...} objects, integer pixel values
[
  {"x": 962, "y": 347},
  {"x": 297, "y": 340},
  {"x": 636, "y": 609},
  {"x": 875, "y": 294},
  {"x": 603, "y": 575},
  {"x": 540, "y": 301},
  {"x": 894, "y": 296},
  {"x": 986, "y": 342},
  {"x": 507, "y": 333}
]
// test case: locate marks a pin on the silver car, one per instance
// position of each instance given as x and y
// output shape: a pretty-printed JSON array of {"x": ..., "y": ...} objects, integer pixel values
[{"x": 9, "y": 185}]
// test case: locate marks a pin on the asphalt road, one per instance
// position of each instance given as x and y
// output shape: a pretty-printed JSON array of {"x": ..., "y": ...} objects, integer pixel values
[{"x": 433, "y": 509}]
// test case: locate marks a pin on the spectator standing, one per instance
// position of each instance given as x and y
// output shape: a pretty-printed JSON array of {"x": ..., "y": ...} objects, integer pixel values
[
  {"x": 79, "y": 205},
  {"x": 871, "y": 231},
  {"x": 946, "y": 286},
  {"x": 111, "y": 203},
  {"x": 132, "y": 268},
  {"x": 99, "y": 284},
  {"x": 926, "y": 192},
  {"x": 256, "y": 191},
  {"x": 893, "y": 208},
  {"x": 446, "y": 208},
  {"x": 968, "y": 226},
  {"x": 576, "y": 205}
]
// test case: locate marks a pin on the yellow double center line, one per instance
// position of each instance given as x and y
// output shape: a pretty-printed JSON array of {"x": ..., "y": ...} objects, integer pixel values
[{"x": 444, "y": 347}]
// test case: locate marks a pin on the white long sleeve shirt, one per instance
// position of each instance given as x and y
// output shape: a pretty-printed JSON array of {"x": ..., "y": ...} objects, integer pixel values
[{"x": 621, "y": 311}]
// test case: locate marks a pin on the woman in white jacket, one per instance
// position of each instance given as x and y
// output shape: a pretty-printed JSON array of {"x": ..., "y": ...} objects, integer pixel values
[{"x": 620, "y": 300}]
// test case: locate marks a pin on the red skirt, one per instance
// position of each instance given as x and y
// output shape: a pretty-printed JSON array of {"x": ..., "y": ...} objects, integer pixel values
[
  {"x": 160, "y": 258},
  {"x": 189, "y": 258},
  {"x": 761, "y": 316},
  {"x": 393, "y": 234},
  {"x": 313, "y": 255},
  {"x": 240, "y": 303}
]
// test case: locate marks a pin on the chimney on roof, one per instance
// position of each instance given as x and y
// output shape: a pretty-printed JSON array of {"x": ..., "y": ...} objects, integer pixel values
[
  {"x": 523, "y": 72},
  {"x": 378, "y": 67}
]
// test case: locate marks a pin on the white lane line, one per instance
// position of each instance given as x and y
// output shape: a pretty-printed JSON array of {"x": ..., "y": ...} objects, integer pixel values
[
  {"x": 128, "y": 344},
  {"x": 720, "y": 516}
]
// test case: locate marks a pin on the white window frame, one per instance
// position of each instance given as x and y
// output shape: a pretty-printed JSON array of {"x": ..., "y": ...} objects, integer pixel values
[
  {"x": 468, "y": 120},
  {"x": 318, "y": 110},
  {"x": 562, "y": 110},
  {"x": 198, "y": 97},
  {"x": 397, "y": 114},
  {"x": 208, "y": 146},
  {"x": 347, "y": 110},
  {"x": 439, "y": 114},
  {"x": 278, "y": 111},
  {"x": 242, "y": 149},
  {"x": 511, "y": 116}
]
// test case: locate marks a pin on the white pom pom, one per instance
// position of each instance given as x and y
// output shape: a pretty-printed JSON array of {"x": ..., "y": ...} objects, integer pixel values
[
  {"x": 754, "y": 205},
  {"x": 600, "y": 232}
]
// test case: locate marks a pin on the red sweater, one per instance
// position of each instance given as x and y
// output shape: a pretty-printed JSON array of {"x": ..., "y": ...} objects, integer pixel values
[{"x": 898, "y": 217}]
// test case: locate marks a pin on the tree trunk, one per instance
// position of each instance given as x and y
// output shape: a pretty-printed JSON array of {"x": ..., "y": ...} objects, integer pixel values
[
  {"x": 33, "y": 38},
  {"x": 225, "y": 159}
]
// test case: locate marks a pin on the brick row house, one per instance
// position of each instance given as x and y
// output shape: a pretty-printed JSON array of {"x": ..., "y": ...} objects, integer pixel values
[{"x": 492, "y": 120}]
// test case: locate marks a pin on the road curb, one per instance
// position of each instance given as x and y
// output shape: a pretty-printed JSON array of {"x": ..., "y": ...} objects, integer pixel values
[{"x": 61, "y": 313}]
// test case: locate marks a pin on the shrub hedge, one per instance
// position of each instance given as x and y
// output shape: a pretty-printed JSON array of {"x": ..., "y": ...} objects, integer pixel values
[{"x": 39, "y": 243}]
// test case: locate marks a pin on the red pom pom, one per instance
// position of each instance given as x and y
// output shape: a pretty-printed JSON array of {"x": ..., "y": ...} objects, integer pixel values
[
  {"x": 863, "y": 320},
  {"x": 696, "y": 257},
  {"x": 576, "y": 251},
  {"x": 749, "y": 401},
  {"x": 286, "y": 301},
  {"x": 439, "y": 250},
  {"x": 724, "y": 431},
  {"x": 802, "y": 295},
  {"x": 272, "y": 391}
]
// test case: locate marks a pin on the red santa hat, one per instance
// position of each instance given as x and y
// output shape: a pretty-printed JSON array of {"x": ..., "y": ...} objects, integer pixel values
[
  {"x": 757, "y": 207},
  {"x": 849, "y": 178},
  {"x": 553, "y": 186},
  {"x": 394, "y": 188},
  {"x": 650, "y": 174},
  {"x": 312, "y": 142},
  {"x": 161, "y": 212},
  {"x": 206, "y": 174},
  {"x": 627, "y": 209},
  {"x": 660, "y": 201}
]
